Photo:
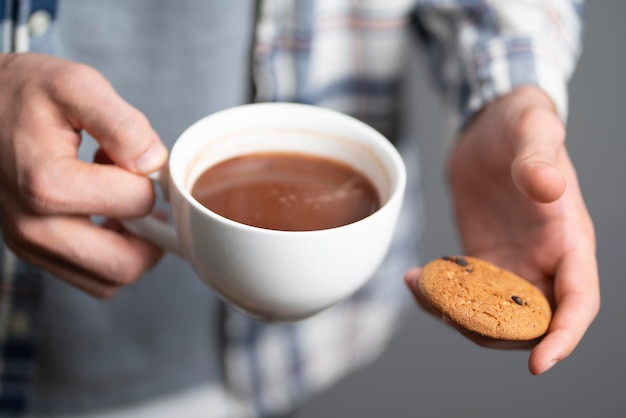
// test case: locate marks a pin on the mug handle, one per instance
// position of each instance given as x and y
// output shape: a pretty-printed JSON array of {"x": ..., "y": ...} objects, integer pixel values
[{"x": 154, "y": 230}]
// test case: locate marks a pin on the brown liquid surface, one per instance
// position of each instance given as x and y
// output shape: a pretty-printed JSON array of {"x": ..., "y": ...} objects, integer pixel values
[{"x": 286, "y": 191}]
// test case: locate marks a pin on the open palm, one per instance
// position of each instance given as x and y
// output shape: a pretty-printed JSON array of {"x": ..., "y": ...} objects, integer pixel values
[{"x": 518, "y": 204}]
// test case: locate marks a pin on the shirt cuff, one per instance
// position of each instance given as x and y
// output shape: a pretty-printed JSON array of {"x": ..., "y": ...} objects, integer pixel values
[{"x": 498, "y": 66}]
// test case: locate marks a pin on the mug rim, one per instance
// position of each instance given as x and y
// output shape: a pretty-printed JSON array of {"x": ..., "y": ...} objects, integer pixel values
[{"x": 397, "y": 166}]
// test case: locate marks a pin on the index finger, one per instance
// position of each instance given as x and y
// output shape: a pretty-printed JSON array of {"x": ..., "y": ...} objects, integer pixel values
[{"x": 90, "y": 102}]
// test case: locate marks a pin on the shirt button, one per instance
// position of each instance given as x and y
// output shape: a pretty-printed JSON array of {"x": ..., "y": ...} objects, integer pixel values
[
  {"x": 39, "y": 23},
  {"x": 20, "y": 325}
]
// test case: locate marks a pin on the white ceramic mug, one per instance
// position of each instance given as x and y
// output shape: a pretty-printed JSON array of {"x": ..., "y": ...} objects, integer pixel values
[{"x": 268, "y": 274}]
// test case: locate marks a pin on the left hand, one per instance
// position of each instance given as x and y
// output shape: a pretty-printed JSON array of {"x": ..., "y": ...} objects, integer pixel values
[{"x": 518, "y": 204}]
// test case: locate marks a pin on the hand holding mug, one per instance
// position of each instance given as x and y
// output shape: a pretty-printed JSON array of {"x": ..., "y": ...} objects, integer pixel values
[
  {"x": 47, "y": 195},
  {"x": 274, "y": 274}
]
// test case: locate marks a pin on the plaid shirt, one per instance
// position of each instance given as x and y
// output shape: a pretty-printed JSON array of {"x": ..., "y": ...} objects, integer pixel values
[{"x": 347, "y": 55}]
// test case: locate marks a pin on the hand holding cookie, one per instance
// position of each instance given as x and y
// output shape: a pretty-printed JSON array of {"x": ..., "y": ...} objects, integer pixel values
[{"x": 518, "y": 205}]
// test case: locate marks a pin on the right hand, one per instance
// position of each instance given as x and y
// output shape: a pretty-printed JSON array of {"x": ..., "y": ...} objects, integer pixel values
[
  {"x": 47, "y": 194},
  {"x": 518, "y": 204}
]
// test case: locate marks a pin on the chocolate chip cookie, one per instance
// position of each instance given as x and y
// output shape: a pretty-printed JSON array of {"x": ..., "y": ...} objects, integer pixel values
[{"x": 486, "y": 299}]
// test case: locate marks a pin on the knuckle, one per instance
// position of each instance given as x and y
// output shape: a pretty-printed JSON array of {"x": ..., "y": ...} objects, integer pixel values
[
  {"x": 530, "y": 119},
  {"x": 70, "y": 75},
  {"x": 19, "y": 235},
  {"x": 39, "y": 189},
  {"x": 131, "y": 124}
]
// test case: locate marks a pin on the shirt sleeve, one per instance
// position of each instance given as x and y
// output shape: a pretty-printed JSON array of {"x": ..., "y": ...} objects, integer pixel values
[{"x": 481, "y": 49}]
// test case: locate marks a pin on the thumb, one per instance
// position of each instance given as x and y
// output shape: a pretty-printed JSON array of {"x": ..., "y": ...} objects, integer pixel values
[
  {"x": 539, "y": 136},
  {"x": 411, "y": 279},
  {"x": 124, "y": 133}
]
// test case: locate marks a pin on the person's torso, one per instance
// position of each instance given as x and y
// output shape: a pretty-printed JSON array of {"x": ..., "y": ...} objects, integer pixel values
[{"x": 175, "y": 62}]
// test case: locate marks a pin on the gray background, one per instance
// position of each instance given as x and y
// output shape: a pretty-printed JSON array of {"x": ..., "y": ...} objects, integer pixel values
[{"x": 429, "y": 370}]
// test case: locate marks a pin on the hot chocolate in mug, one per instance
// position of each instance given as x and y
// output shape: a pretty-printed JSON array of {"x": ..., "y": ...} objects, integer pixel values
[{"x": 269, "y": 274}]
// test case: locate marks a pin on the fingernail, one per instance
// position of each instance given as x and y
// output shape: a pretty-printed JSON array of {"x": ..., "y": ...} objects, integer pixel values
[
  {"x": 152, "y": 159},
  {"x": 548, "y": 366}
]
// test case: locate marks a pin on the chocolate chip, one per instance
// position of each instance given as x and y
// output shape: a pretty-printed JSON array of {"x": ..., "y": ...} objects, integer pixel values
[
  {"x": 469, "y": 269},
  {"x": 461, "y": 261},
  {"x": 518, "y": 300}
]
